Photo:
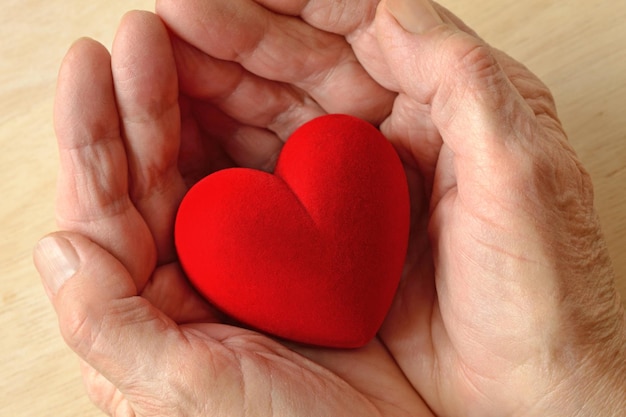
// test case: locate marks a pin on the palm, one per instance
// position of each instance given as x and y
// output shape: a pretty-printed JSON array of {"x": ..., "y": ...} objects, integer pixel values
[{"x": 282, "y": 382}]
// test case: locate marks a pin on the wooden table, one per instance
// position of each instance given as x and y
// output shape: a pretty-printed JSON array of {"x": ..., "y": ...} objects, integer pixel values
[{"x": 576, "y": 47}]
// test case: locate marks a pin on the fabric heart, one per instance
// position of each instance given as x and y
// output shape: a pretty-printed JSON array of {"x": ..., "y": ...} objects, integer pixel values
[{"x": 312, "y": 253}]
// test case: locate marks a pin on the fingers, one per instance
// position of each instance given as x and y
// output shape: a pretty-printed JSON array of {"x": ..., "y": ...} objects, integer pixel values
[
  {"x": 88, "y": 134},
  {"x": 280, "y": 48},
  {"x": 350, "y": 18},
  {"x": 146, "y": 89},
  {"x": 92, "y": 195},
  {"x": 246, "y": 97},
  {"x": 120, "y": 335}
]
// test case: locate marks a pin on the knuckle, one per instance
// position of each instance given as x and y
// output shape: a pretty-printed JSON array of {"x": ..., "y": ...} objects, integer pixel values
[
  {"x": 472, "y": 77},
  {"x": 476, "y": 61},
  {"x": 470, "y": 59}
]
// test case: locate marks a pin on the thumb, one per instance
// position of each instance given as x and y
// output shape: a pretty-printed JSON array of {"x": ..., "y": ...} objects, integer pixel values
[
  {"x": 100, "y": 315},
  {"x": 473, "y": 105}
]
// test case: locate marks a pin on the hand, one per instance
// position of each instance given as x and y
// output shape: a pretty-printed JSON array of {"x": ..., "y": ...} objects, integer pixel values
[
  {"x": 508, "y": 306},
  {"x": 523, "y": 317},
  {"x": 149, "y": 344},
  {"x": 129, "y": 339}
]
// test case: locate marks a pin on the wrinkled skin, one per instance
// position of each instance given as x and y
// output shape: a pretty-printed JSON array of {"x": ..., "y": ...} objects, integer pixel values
[{"x": 507, "y": 306}]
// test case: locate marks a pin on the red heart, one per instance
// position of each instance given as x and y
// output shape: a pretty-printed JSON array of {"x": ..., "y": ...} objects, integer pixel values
[{"x": 313, "y": 253}]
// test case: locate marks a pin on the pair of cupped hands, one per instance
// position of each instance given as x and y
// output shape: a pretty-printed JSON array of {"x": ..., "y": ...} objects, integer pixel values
[{"x": 507, "y": 306}]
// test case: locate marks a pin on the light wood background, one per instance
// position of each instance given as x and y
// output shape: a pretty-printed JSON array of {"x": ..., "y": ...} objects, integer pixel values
[{"x": 577, "y": 47}]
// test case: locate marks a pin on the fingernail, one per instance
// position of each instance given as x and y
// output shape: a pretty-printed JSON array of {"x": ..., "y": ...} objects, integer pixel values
[
  {"x": 416, "y": 16},
  {"x": 56, "y": 260}
]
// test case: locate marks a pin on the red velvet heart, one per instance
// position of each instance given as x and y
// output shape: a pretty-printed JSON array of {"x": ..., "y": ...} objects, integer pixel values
[{"x": 313, "y": 253}]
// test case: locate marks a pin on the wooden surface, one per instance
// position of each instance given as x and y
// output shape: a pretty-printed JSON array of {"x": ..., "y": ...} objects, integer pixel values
[{"x": 576, "y": 47}]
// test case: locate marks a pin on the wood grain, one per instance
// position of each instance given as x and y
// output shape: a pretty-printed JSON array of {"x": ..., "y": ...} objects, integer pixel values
[{"x": 576, "y": 47}]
